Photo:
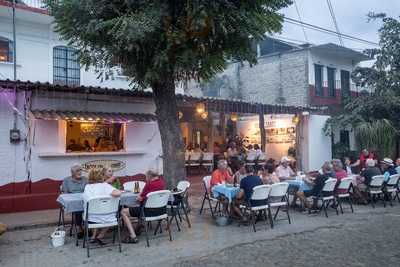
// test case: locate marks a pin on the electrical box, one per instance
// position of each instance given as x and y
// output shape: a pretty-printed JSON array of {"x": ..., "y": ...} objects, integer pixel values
[{"x": 15, "y": 135}]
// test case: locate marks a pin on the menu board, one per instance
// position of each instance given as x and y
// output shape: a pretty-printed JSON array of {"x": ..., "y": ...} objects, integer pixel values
[{"x": 281, "y": 135}]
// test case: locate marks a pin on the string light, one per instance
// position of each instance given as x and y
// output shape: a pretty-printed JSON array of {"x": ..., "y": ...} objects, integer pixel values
[{"x": 200, "y": 108}]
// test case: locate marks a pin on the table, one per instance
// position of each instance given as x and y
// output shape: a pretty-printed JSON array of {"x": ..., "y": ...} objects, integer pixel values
[
  {"x": 300, "y": 184},
  {"x": 74, "y": 202},
  {"x": 228, "y": 191}
]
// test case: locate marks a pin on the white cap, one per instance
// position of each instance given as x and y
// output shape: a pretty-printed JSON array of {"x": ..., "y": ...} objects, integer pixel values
[{"x": 285, "y": 159}]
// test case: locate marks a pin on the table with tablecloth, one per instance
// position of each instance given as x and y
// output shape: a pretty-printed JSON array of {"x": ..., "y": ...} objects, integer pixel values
[
  {"x": 299, "y": 184},
  {"x": 228, "y": 191},
  {"x": 74, "y": 202}
]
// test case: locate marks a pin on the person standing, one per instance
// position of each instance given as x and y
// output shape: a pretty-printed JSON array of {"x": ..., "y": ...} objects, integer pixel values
[
  {"x": 75, "y": 184},
  {"x": 364, "y": 155}
]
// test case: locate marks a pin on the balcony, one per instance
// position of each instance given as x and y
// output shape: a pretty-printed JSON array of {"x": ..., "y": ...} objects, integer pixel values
[{"x": 30, "y": 5}]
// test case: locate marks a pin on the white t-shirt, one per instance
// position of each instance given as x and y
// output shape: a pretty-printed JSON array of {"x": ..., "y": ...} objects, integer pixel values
[
  {"x": 99, "y": 190},
  {"x": 283, "y": 172}
]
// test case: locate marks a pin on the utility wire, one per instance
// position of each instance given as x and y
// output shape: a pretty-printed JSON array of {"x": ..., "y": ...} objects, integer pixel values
[
  {"x": 327, "y": 31},
  {"x": 298, "y": 14},
  {"x": 334, "y": 21}
]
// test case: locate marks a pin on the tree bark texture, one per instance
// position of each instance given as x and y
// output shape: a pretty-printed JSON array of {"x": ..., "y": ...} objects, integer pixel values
[{"x": 171, "y": 136}]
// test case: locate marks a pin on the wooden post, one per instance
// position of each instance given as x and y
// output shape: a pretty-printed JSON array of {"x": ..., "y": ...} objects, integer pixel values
[{"x": 261, "y": 124}]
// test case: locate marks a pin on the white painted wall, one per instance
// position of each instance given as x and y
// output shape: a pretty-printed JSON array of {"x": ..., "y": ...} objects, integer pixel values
[{"x": 319, "y": 144}]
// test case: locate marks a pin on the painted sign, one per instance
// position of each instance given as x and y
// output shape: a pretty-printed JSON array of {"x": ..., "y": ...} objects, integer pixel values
[{"x": 115, "y": 165}]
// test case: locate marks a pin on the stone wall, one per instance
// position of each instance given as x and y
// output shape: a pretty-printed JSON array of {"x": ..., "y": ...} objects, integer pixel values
[{"x": 276, "y": 79}]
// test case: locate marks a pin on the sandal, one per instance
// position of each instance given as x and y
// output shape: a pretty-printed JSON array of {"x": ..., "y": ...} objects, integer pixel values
[
  {"x": 130, "y": 240},
  {"x": 100, "y": 242}
]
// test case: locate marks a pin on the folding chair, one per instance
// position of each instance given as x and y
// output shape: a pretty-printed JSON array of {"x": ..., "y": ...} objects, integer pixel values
[
  {"x": 208, "y": 161},
  {"x": 187, "y": 160},
  {"x": 327, "y": 196},
  {"x": 195, "y": 160},
  {"x": 343, "y": 192},
  {"x": 251, "y": 159},
  {"x": 179, "y": 203},
  {"x": 101, "y": 206},
  {"x": 262, "y": 159},
  {"x": 392, "y": 187},
  {"x": 260, "y": 194},
  {"x": 129, "y": 186},
  {"x": 279, "y": 191},
  {"x": 207, "y": 196},
  {"x": 155, "y": 209},
  {"x": 375, "y": 189}
]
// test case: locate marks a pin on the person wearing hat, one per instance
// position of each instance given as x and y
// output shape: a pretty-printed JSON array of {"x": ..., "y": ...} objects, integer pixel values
[
  {"x": 283, "y": 171},
  {"x": 388, "y": 168}
]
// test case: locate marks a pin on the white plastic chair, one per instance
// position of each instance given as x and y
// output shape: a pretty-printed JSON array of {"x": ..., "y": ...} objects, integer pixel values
[
  {"x": 180, "y": 202},
  {"x": 187, "y": 159},
  {"x": 261, "y": 160},
  {"x": 279, "y": 191},
  {"x": 375, "y": 188},
  {"x": 260, "y": 193},
  {"x": 251, "y": 159},
  {"x": 327, "y": 195},
  {"x": 343, "y": 192},
  {"x": 129, "y": 186},
  {"x": 156, "y": 200},
  {"x": 392, "y": 187},
  {"x": 208, "y": 160},
  {"x": 207, "y": 196},
  {"x": 101, "y": 206}
]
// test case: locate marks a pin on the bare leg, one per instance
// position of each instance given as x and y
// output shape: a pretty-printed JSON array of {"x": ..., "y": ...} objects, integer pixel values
[{"x": 127, "y": 221}]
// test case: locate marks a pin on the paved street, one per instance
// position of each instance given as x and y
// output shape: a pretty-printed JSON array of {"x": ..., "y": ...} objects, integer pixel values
[{"x": 366, "y": 238}]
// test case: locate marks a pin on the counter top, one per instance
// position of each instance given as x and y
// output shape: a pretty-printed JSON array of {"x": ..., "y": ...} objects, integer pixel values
[{"x": 91, "y": 154}]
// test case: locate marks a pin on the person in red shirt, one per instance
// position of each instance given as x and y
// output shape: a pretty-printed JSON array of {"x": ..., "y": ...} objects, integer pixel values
[
  {"x": 340, "y": 173},
  {"x": 220, "y": 175},
  {"x": 153, "y": 183},
  {"x": 365, "y": 154}
]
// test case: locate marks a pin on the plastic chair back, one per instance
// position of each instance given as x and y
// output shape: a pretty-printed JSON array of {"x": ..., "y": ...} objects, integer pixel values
[
  {"x": 129, "y": 186},
  {"x": 183, "y": 185},
  {"x": 208, "y": 156},
  {"x": 102, "y": 205},
  {"x": 279, "y": 189},
  {"x": 329, "y": 185},
  {"x": 377, "y": 181},
  {"x": 157, "y": 199},
  {"x": 393, "y": 180},
  {"x": 345, "y": 183},
  {"x": 261, "y": 192}
]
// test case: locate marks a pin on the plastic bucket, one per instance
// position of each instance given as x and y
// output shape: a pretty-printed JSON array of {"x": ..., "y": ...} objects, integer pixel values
[{"x": 58, "y": 238}]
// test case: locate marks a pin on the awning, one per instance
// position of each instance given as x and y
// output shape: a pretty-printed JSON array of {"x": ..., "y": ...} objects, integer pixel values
[{"x": 92, "y": 116}]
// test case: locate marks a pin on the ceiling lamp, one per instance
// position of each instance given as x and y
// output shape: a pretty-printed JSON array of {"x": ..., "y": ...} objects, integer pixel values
[
  {"x": 234, "y": 117},
  {"x": 200, "y": 108},
  {"x": 204, "y": 115}
]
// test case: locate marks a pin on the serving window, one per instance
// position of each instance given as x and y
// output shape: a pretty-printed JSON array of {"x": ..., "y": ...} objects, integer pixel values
[{"x": 94, "y": 136}]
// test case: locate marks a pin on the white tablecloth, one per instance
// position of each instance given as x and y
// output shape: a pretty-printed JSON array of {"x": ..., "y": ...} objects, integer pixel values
[{"x": 74, "y": 202}]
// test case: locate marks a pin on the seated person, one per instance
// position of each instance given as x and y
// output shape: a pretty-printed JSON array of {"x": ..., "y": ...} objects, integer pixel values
[
  {"x": 153, "y": 183},
  {"x": 397, "y": 167},
  {"x": 109, "y": 177},
  {"x": 388, "y": 168},
  {"x": 220, "y": 175},
  {"x": 73, "y": 146},
  {"x": 97, "y": 188},
  {"x": 319, "y": 183},
  {"x": 283, "y": 171},
  {"x": 268, "y": 175},
  {"x": 240, "y": 174},
  {"x": 75, "y": 184},
  {"x": 340, "y": 173},
  {"x": 370, "y": 171},
  {"x": 246, "y": 190}
]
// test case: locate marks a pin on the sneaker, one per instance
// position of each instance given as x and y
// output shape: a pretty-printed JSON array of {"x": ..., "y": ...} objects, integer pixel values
[{"x": 130, "y": 240}]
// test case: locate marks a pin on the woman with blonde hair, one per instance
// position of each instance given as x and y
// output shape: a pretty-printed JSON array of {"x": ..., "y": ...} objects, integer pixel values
[
  {"x": 108, "y": 174},
  {"x": 99, "y": 188}
]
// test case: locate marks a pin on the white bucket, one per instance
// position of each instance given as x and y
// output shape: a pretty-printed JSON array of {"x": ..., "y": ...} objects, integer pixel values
[{"x": 58, "y": 238}]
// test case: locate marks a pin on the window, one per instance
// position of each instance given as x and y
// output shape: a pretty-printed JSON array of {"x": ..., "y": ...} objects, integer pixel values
[
  {"x": 331, "y": 82},
  {"x": 6, "y": 50},
  {"x": 319, "y": 90},
  {"x": 94, "y": 137},
  {"x": 66, "y": 69},
  {"x": 345, "y": 138},
  {"x": 345, "y": 83}
]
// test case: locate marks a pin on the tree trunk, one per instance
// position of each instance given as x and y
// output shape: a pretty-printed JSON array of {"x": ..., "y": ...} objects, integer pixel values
[{"x": 171, "y": 136}]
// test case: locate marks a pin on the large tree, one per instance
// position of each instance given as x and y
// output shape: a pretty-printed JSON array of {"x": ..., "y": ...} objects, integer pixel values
[
  {"x": 160, "y": 43},
  {"x": 376, "y": 116}
]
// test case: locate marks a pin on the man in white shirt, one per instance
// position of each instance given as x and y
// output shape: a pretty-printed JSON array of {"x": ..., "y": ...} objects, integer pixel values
[
  {"x": 98, "y": 188},
  {"x": 283, "y": 171}
]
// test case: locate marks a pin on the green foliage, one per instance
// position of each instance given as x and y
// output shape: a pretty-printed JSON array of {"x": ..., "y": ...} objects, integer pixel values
[
  {"x": 153, "y": 39},
  {"x": 375, "y": 117}
]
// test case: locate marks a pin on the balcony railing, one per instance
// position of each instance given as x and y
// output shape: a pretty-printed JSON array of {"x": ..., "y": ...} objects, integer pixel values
[
  {"x": 29, "y": 3},
  {"x": 353, "y": 87}
]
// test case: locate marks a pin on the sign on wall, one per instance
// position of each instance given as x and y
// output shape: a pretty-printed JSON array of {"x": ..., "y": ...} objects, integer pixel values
[{"x": 115, "y": 165}]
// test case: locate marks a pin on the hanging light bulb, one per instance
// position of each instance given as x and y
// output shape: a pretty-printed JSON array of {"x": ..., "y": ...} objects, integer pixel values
[
  {"x": 200, "y": 108},
  {"x": 204, "y": 115},
  {"x": 234, "y": 117},
  {"x": 180, "y": 115},
  {"x": 295, "y": 119}
]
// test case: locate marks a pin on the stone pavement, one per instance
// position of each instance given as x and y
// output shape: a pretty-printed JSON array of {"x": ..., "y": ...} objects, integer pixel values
[{"x": 369, "y": 237}]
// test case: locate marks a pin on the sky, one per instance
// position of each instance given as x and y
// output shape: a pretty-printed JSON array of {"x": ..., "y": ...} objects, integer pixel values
[{"x": 351, "y": 16}]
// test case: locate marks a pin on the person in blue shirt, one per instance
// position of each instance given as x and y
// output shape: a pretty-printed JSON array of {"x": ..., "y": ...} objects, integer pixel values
[
  {"x": 246, "y": 190},
  {"x": 388, "y": 168}
]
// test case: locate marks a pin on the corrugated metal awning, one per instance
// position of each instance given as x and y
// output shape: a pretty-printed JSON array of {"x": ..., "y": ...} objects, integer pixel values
[{"x": 92, "y": 116}]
